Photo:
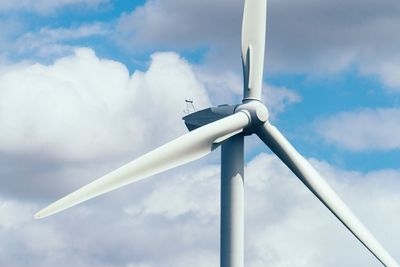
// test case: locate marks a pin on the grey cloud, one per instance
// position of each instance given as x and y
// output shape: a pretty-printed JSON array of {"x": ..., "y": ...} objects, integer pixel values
[
  {"x": 311, "y": 37},
  {"x": 182, "y": 24},
  {"x": 320, "y": 36},
  {"x": 307, "y": 37},
  {"x": 188, "y": 25}
]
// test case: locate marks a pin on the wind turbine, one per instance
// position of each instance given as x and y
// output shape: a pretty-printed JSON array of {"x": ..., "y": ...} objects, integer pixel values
[{"x": 226, "y": 126}]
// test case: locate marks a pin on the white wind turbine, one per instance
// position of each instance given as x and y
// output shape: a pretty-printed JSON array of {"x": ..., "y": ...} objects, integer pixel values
[{"x": 226, "y": 125}]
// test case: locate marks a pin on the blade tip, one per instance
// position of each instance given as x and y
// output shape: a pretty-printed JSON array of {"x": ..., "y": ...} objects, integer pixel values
[{"x": 40, "y": 215}]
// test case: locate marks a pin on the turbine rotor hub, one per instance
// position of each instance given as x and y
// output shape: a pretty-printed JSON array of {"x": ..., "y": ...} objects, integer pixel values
[{"x": 257, "y": 111}]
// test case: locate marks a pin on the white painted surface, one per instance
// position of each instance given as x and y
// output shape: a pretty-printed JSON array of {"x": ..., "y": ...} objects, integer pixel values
[
  {"x": 232, "y": 202},
  {"x": 253, "y": 46},
  {"x": 184, "y": 149}
]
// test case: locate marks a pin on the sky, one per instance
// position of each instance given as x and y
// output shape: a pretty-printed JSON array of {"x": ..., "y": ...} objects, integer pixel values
[{"x": 89, "y": 85}]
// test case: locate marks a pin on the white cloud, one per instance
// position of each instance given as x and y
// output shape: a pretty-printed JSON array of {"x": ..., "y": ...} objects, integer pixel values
[
  {"x": 49, "y": 43},
  {"x": 13, "y": 215},
  {"x": 278, "y": 98},
  {"x": 388, "y": 70},
  {"x": 294, "y": 223},
  {"x": 10, "y": 29},
  {"x": 185, "y": 196},
  {"x": 45, "y": 7},
  {"x": 82, "y": 31},
  {"x": 366, "y": 129},
  {"x": 227, "y": 87},
  {"x": 85, "y": 107},
  {"x": 285, "y": 224}
]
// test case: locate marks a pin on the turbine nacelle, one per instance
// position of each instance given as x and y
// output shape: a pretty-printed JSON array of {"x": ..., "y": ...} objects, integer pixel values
[{"x": 256, "y": 111}]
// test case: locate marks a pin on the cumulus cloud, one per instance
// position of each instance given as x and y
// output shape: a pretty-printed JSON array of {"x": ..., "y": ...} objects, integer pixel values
[
  {"x": 73, "y": 117},
  {"x": 82, "y": 108},
  {"x": 285, "y": 224},
  {"x": 85, "y": 107},
  {"x": 64, "y": 123},
  {"x": 366, "y": 129}
]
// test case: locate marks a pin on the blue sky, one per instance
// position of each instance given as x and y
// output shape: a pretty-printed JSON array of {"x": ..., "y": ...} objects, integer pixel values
[{"x": 83, "y": 84}]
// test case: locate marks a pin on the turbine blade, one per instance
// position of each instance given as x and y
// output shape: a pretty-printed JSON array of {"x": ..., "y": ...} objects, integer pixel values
[
  {"x": 184, "y": 149},
  {"x": 253, "y": 46},
  {"x": 317, "y": 185}
]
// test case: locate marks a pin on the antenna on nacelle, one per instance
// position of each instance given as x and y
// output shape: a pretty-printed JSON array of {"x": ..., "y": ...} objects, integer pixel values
[{"x": 190, "y": 107}]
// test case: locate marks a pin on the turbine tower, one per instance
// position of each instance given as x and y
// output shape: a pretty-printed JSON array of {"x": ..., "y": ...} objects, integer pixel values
[{"x": 226, "y": 126}]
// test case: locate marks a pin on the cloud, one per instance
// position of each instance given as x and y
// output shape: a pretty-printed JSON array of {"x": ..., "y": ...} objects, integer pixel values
[
  {"x": 285, "y": 224},
  {"x": 387, "y": 70},
  {"x": 13, "y": 214},
  {"x": 65, "y": 123},
  {"x": 306, "y": 230},
  {"x": 75, "y": 119},
  {"x": 11, "y": 28},
  {"x": 85, "y": 107},
  {"x": 328, "y": 36},
  {"x": 366, "y": 129},
  {"x": 314, "y": 37},
  {"x": 46, "y": 7},
  {"x": 51, "y": 42},
  {"x": 82, "y": 108},
  {"x": 174, "y": 22},
  {"x": 213, "y": 26},
  {"x": 278, "y": 98},
  {"x": 183, "y": 197},
  {"x": 227, "y": 87},
  {"x": 307, "y": 37}
]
